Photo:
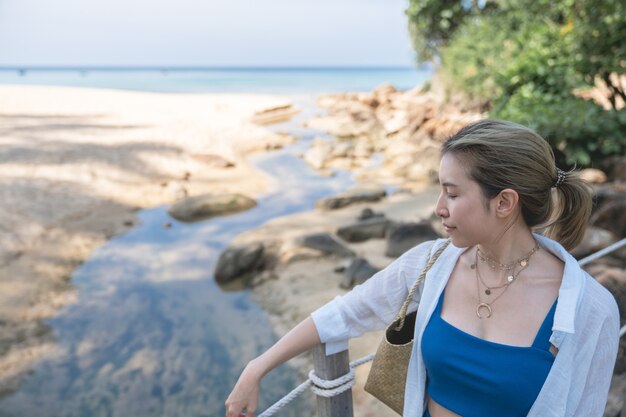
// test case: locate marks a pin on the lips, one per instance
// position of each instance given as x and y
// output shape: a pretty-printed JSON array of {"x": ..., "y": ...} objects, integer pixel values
[{"x": 448, "y": 228}]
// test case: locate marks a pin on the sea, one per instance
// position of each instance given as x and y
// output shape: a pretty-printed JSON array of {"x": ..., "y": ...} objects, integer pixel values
[{"x": 287, "y": 81}]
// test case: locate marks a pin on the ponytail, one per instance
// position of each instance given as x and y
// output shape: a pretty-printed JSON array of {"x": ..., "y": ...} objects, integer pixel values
[{"x": 571, "y": 208}]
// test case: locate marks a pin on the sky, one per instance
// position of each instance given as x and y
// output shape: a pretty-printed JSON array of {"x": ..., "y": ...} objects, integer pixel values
[{"x": 237, "y": 33}]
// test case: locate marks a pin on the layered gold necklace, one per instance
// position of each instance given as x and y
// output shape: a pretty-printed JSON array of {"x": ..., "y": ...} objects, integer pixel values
[{"x": 510, "y": 273}]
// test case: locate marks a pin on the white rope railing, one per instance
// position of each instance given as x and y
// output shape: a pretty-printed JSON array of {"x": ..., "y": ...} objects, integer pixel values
[
  {"x": 319, "y": 386},
  {"x": 326, "y": 388}
]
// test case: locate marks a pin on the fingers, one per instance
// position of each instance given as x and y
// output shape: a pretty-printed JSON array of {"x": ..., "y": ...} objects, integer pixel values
[{"x": 239, "y": 409}]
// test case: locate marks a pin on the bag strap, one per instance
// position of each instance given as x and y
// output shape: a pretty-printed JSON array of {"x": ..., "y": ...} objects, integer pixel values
[{"x": 432, "y": 258}]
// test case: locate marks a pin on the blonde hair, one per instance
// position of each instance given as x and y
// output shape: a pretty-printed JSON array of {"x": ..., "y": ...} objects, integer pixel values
[{"x": 501, "y": 154}]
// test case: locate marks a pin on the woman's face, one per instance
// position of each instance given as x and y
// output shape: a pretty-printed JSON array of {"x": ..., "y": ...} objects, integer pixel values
[{"x": 462, "y": 206}]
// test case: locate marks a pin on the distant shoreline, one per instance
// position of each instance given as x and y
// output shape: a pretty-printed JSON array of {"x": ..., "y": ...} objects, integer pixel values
[
  {"x": 256, "y": 80},
  {"x": 158, "y": 68}
]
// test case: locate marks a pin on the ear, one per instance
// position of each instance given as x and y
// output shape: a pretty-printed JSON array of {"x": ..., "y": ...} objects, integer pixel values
[{"x": 506, "y": 202}]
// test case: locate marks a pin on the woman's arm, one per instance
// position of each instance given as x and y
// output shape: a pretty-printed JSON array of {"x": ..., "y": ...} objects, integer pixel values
[{"x": 245, "y": 394}]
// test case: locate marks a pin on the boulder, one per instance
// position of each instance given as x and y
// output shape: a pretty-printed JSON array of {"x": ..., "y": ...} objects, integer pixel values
[
  {"x": 208, "y": 205},
  {"x": 355, "y": 195},
  {"x": 358, "y": 272},
  {"x": 236, "y": 262},
  {"x": 368, "y": 213},
  {"x": 326, "y": 244},
  {"x": 373, "y": 227},
  {"x": 403, "y": 236}
]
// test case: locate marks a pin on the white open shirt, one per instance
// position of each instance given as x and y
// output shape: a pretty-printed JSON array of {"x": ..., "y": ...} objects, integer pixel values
[{"x": 585, "y": 328}]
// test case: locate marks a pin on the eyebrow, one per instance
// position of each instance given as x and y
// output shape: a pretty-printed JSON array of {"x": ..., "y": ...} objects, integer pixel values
[{"x": 448, "y": 184}]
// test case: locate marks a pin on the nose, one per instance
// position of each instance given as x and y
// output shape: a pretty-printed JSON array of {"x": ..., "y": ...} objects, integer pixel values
[{"x": 440, "y": 208}]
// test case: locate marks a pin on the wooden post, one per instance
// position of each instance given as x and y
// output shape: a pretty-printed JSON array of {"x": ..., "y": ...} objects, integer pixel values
[{"x": 332, "y": 367}]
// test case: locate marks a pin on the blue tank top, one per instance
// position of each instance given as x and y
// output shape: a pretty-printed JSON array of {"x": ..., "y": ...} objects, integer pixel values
[{"x": 478, "y": 378}]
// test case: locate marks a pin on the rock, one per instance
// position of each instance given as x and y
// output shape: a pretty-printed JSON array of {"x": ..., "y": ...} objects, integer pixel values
[
  {"x": 236, "y": 262},
  {"x": 373, "y": 227},
  {"x": 593, "y": 176},
  {"x": 403, "y": 236},
  {"x": 347, "y": 118},
  {"x": 358, "y": 272},
  {"x": 411, "y": 159},
  {"x": 368, "y": 213},
  {"x": 293, "y": 251},
  {"x": 262, "y": 277},
  {"x": 275, "y": 114},
  {"x": 355, "y": 195},
  {"x": 342, "y": 149},
  {"x": 209, "y": 205},
  {"x": 318, "y": 154},
  {"x": 363, "y": 148},
  {"x": 327, "y": 244},
  {"x": 593, "y": 240},
  {"x": 384, "y": 92}
]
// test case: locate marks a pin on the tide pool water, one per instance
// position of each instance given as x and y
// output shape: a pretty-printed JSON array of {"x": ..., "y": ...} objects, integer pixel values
[{"x": 230, "y": 80}]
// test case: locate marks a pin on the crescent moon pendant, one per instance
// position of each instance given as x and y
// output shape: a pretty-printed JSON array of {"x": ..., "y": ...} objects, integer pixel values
[{"x": 481, "y": 306}]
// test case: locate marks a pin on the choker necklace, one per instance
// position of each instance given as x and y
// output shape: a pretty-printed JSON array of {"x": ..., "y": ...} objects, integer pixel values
[{"x": 523, "y": 264}]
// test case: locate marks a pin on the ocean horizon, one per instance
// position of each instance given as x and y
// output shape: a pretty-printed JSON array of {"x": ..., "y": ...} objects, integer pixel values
[{"x": 263, "y": 80}]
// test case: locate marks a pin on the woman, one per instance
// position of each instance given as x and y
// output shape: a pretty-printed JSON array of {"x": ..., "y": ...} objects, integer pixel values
[{"x": 508, "y": 324}]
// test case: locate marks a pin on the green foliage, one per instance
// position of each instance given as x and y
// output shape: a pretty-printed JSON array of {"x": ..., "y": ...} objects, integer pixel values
[
  {"x": 433, "y": 22},
  {"x": 580, "y": 129},
  {"x": 526, "y": 59}
]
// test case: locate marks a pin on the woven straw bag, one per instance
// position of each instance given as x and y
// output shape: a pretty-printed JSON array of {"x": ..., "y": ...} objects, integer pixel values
[{"x": 387, "y": 378}]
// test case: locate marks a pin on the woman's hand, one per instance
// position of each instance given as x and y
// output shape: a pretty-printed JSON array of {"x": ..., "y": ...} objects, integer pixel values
[
  {"x": 245, "y": 394},
  {"x": 244, "y": 397}
]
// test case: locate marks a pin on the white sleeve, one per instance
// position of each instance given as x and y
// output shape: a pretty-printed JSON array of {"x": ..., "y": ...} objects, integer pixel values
[
  {"x": 371, "y": 305},
  {"x": 597, "y": 384}
]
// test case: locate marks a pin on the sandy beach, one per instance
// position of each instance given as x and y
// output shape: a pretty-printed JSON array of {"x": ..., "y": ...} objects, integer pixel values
[{"x": 76, "y": 166}]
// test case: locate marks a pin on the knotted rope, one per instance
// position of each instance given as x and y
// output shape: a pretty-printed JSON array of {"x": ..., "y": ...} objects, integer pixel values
[{"x": 319, "y": 386}]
